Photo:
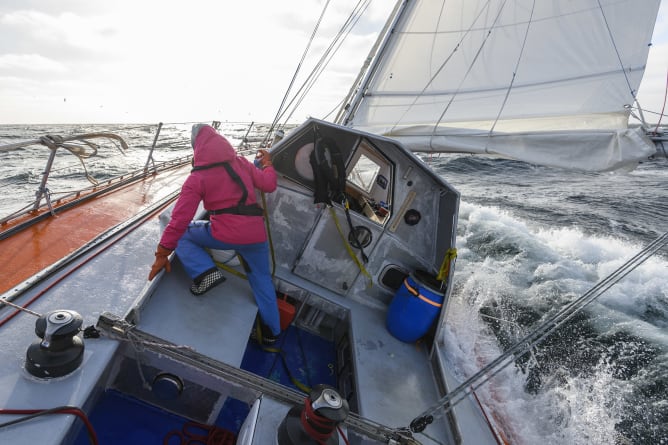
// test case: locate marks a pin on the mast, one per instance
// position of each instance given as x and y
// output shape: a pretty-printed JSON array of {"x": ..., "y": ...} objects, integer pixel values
[{"x": 358, "y": 88}]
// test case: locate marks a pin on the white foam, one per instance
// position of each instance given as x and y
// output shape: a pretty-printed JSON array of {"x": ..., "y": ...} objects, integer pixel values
[{"x": 549, "y": 265}]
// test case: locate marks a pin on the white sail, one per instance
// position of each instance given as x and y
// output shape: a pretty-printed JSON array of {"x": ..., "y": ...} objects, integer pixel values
[{"x": 548, "y": 82}]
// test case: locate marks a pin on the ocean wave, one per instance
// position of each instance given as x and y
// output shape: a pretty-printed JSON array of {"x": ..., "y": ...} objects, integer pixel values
[{"x": 512, "y": 275}]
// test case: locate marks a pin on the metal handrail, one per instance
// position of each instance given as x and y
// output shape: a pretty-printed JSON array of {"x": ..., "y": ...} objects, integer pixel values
[
  {"x": 82, "y": 147},
  {"x": 150, "y": 153}
]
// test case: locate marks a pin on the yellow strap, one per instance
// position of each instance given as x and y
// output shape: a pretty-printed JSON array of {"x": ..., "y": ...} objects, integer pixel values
[
  {"x": 293, "y": 379},
  {"x": 271, "y": 243},
  {"x": 443, "y": 273},
  {"x": 416, "y": 293},
  {"x": 350, "y": 249},
  {"x": 229, "y": 269}
]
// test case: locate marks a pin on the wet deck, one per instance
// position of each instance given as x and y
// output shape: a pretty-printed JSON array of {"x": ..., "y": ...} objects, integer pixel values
[{"x": 42, "y": 244}]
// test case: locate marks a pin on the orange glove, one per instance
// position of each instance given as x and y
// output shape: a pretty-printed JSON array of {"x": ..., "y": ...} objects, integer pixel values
[
  {"x": 263, "y": 158},
  {"x": 161, "y": 262}
]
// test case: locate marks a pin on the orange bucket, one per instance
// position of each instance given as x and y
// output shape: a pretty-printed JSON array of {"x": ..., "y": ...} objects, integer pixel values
[{"x": 286, "y": 311}]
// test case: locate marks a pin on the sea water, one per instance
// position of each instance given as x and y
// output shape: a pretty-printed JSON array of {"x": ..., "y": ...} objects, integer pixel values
[{"x": 530, "y": 240}]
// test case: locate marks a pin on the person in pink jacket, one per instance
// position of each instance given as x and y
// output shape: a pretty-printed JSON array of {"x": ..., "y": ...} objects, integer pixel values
[{"x": 225, "y": 183}]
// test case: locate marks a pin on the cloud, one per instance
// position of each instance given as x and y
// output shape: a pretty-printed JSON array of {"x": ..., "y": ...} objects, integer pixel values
[
  {"x": 157, "y": 60},
  {"x": 12, "y": 63},
  {"x": 65, "y": 35}
]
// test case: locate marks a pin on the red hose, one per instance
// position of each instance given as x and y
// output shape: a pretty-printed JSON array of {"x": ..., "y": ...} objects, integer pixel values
[{"x": 60, "y": 410}]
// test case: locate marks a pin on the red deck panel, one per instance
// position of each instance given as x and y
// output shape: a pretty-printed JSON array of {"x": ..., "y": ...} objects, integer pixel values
[{"x": 40, "y": 245}]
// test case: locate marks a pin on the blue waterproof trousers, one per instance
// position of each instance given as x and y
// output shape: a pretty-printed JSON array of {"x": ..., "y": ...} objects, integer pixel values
[{"x": 196, "y": 260}]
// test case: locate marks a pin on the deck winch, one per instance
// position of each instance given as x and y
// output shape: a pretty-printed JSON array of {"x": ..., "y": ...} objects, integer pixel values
[
  {"x": 59, "y": 350},
  {"x": 324, "y": 409}
]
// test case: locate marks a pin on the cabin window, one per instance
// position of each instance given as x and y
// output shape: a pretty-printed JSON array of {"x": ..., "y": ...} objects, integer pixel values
[
  {"x": 369, "y": 183},
  {"x": 364, "y": 173}
]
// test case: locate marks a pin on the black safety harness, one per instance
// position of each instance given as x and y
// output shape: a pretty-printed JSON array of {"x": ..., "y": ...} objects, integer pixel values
[
  {"x": 329, "y": 177},
  {"x": 241, "y": 208}
]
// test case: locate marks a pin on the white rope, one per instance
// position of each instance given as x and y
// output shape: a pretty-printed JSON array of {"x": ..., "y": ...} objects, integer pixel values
[{"x": 20, "y": 308}]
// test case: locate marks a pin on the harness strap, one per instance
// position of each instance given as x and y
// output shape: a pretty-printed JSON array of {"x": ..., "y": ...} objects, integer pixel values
[
  {"x": 241, "y": 208},
  {"x": 246, "y": 210},
  {"x": 329, "y": 169},
  {"x": 329, "y": 174}
]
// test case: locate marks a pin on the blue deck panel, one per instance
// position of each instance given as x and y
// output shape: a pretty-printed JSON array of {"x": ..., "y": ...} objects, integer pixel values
[
  {"x": 118, "y": 418},
  {"x": 310, "y": 359}
]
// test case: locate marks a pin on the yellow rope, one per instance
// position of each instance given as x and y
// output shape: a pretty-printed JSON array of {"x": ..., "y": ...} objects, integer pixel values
[
  {"x": 258, "y": 335},
  {"x": 271, "y": 243},
  {"x": 229, "y": 269},
  {"x": 350, "y": 250},
  {"x": 444, "y": 271}
]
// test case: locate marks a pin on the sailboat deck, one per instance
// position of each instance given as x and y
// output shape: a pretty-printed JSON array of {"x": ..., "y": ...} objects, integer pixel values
[
  {"x": 47, "y": 241},
  {"x": 393, "y": 379},
  {"x": 216, "y": 324}
]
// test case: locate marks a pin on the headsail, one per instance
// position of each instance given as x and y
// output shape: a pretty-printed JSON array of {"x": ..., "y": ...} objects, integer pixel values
[{"x": 547, "y": 82}]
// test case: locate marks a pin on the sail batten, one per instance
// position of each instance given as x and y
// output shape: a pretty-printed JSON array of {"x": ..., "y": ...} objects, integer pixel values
[
  {"x": 485, "y": 66},
  {"x": 594, "y": 76}
]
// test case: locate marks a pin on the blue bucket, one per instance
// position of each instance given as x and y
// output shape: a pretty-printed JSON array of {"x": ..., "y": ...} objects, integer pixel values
[{"x": 415, "y": 307}]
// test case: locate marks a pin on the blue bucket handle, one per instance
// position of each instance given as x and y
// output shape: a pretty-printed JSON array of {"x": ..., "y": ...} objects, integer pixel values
[{"x": 416, "y": 293}]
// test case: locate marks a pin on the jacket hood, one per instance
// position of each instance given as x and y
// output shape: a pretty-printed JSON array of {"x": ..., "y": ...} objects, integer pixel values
[{"x": 210, "y": 146}]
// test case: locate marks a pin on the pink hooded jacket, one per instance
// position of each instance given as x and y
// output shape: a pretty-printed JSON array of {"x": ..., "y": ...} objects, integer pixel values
[{"x": 218, "y": 190}]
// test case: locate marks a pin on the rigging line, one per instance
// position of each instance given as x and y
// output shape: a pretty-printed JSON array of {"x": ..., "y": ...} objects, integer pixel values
[
  {"x": 462, "y": 391},
  {"x": 468, "y": 71},
  {"x": 614, "y": 45},
  {"x": 20, "y": 308},
  {"x": 343, "y": 33},
  {"x": 294, "y": 76},
  {"x": 53, "y": 141},
  {"x": 517, "y": 66},
  {"x": 318, "y": 70},
  {"x": 333, "y": 110},
  {"x": 546, "y": 328},
  {"x": 445, "y": 62},
  {"x": 433, "y": 38},
  {"x": 360, "y": 86},
  {"x": 665, "y": 95},
  {"x": 327, "y": 56},
  {"x": 17, "y": 212}
]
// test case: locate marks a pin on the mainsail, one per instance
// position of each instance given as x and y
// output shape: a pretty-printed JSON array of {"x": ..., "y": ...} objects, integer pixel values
[{"x": 547, "y": 82}]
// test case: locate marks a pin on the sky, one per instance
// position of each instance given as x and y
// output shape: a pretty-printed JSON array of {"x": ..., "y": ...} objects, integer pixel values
[{"x": 88, "y": 61}]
